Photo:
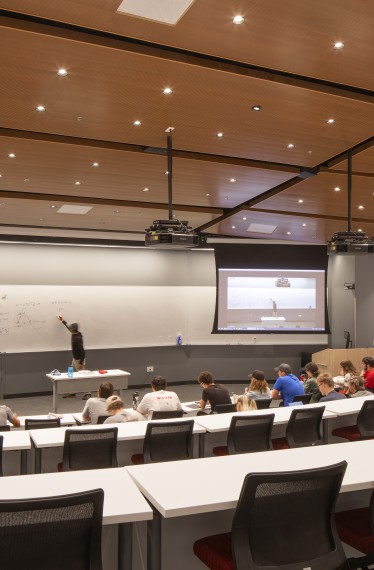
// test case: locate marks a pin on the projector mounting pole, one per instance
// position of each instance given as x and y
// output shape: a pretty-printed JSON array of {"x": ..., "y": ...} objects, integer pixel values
[
  {"x": 349, "y": 190},
  {"x": 169, "y": 130}
]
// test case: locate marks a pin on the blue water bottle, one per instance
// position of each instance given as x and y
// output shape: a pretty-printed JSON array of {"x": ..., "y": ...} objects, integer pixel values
[
  {"x": 179, "y": 340},
  {"x": 70, "y": 372}
]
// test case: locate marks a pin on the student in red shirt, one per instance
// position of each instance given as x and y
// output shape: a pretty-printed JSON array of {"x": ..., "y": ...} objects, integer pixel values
[{"x": 368, "y": 372}]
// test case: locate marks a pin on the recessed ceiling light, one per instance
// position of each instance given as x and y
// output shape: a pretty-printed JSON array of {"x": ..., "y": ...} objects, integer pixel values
[
  {"x": 41, "y": 219},
  {"x": 244, "y": 218},
  {"x": 116, "y": 211},
  {"x": 238, "y": 20},
  {"x": 330, "y": 121},
  {"x": 288, "y": 233},
  {"x": 300, "y": 201},
  {"x": 145, "y": 189},
  {"x": 337, "y": 189},
  {"x": 167, "y": 91},
  {"x": 232, "y": 179},
  {"x": 79, "y": 118},
  {"x": 233, "y": 227},
  {"x": 304, "y": 225},
  {"x": 27, "y": 180},
  {"x": 95, "y": 164},
  {"x": 359, "y": 230},
  {"x": 290, "y": 145},
  {"x": 11, "y": 155},
  {"x": 53, "y": 206},
  {"x": 77, "y": 183},
  {"x": 62, "y": 72},
  {"x": 137, "y": 123},
  {"x": 207, "y": 194},
  {"x": 338, "y": 45},
  {"x": 1, "y": 175},
  {"x": 361, "y": 207},
  {"x": 219, "y": 135},
  {"x": 256, "y": 108},
  {"x": 40, "y": 108}
]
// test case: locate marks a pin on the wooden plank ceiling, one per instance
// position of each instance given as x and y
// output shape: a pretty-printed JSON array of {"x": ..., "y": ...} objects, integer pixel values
[{"x": 278, "y": 173}]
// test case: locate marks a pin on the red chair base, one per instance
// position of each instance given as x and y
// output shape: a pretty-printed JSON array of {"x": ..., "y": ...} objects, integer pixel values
[
  {"x": 280, "y": 443},
  {"x": 347, "y": 432},
  {"x": 220, "y": 450},
  {"x": 59, "y": 467},
  {"x": 354, "y": 528},
  {"x": 138, "y": 459},
  {"x": 215, "y": 551}
]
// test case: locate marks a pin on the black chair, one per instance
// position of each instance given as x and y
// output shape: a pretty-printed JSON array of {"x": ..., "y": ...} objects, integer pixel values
[
  {"x": 247, "y": 434},
  {"x": 32, "y": 423},
  {"x": 5, "y": 428},
  {"x": 167, "y": 415},
  {"x": 295, "y": 509},
  {"x": 263, "y": 403},
  {"x": 304, "y": 398},
  {"x": 224, "y": 408},
  {"x": 303, "y": 429},
  {"x": 166, "y": 441},
  {"x": 53, "y": 532},
  {"x": 364, "y": 429},
  {"x": 101, "y": 419},
  {"x": 89, "y": 449}
]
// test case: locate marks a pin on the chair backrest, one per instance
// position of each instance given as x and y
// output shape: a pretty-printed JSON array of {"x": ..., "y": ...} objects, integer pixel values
[
  {"x": 90, "y": 449},
  {"x": 1, "y": 455},
  {"x": 53, "y": 532},
  {"x": 5, "y": 428},
  {"x": 304, "y": 427},
  {"x": 101, "y": 419},
  {"x": 304, "y": 398},
  {"x": 365, "y": 419},
  {"x": 168, "y": 441},
  {"x": 263, "y": 403},
  {"x": 32, "y": 423},
  {"x": 286, "y": 506},
  {"x": 169, "y": 414},
  {"x": 249, "y": 433},
  {"x": 224, "y": 408}
]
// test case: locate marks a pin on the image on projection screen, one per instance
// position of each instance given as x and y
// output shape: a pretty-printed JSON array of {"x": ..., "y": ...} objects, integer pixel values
[{"x": 271, "y": 300}]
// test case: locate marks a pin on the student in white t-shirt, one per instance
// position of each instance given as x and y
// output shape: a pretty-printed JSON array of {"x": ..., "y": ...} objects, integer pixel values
[{"x": 159, "y": 400}]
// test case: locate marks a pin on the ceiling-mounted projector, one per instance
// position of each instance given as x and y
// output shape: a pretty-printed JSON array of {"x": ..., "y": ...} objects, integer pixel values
[
  {"x": 171, "y": 234},
  {"x": 350, "y": 242}
]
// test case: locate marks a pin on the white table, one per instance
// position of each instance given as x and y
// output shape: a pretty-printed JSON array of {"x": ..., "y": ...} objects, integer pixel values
[
  {"x": 123, "y": 503},
  {"x": 346, "y": 407},
  {"x": 86, "y": 381},
  {"x": 213, "y": 484},
  {"x": 17, "y": 441},
  {"x": 221, "y": 422},
  {"x": 65, "y": 419},
  {"x": 54, "y": 437}
]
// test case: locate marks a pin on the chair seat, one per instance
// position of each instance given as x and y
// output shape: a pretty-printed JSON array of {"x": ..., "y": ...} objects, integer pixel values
[
  {"x": 137, "y": 459},
  {"x": 354, "y": 528},
  {"x": 347, "y": 432},
  {"x": 215, "y": 551},
  {"x": 280, "y": 443},
  {"x": 220, "y": 450}
]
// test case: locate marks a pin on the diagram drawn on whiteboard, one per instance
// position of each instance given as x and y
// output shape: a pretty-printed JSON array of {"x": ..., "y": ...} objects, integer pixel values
[{"x": 24, "y": 320}]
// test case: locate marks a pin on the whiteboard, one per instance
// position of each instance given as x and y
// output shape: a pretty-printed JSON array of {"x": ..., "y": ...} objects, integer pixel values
[{"x": 108, "y": 316}]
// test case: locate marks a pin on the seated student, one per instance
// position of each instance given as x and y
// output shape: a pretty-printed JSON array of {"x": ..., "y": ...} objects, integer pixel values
[
  {"x": 310, "y": 384},
  {"x": 159, "y": 400},
  {"x": 258, "y": 387},
  {"x": 116, "y": 410},
  {"x": 96, "y": 407},
  {"x": 368, "y": 372},
  {"x": 326, "y": 386},
  {"x": 7, "y": 414},
  {"x": 245, "y": 405},
  {"x": 356, "y": 388},
  {"x": 287, "y": 385},
  {"x": 213, "y": 393}
]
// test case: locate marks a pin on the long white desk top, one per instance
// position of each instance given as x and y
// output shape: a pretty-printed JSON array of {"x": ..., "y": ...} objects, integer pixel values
[
  {"x": 214, "y": 483},
  {"x": 123, "y": 502},
  {"x": 16, "y": 440},
  {"x": 54, "y": 437},
  {"x": 82, "y": 374},
  {"x": 347, "y": 406},
  {"x": 65, "y": 419},
  {"x": 221, "y": 422}
]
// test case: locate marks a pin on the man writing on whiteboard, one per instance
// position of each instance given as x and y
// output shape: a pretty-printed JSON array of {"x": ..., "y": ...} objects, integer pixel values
[{"x": 77, "y": 348}]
